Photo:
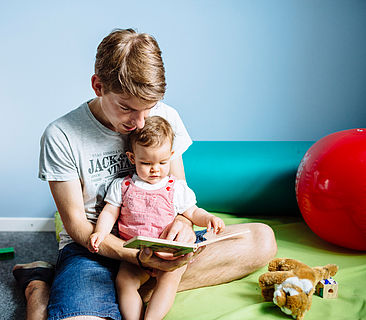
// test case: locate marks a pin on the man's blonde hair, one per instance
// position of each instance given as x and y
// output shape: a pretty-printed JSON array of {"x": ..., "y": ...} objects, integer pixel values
[
  {"x": 130, "y": 63},
  {"x": 154, "y": 133}
]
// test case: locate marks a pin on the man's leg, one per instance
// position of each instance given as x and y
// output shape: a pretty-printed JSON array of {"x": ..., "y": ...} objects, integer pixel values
[
  {"x": 220, "y": 262},
  {"x": 226, "y": 260},
  {"x": 37, "y": 294},
  {"x": 86, "y": 318},
  {"x": 231, "y": 259},
  {"x": 35, "y": 279},
  {"x": 84, "y": 286}
]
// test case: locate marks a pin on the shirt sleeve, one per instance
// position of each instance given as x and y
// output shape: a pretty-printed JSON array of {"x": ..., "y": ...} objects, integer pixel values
[
  {"x": 56, "y": 161},
  {"x": 182, "y": 140},
  {"x": 114, "y": 193},
  {"x": 184, "y": 197}
]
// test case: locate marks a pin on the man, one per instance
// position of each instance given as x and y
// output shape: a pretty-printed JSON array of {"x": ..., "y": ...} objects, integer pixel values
[{"x": 81, "y": 153}]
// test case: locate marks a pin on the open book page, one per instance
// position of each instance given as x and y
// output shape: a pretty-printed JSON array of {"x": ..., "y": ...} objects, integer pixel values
[{"x": 178, "y": 248}]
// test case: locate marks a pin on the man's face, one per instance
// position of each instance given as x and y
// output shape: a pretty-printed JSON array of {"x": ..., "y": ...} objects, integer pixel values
[{"x": 123, "y": 113}]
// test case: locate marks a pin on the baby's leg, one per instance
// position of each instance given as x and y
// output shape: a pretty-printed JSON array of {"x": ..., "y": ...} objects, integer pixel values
[
  {"x": 128, "y": 281},
  {"x": 164, "y": 294}
]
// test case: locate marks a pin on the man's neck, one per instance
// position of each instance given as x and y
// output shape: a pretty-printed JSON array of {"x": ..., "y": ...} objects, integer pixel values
[{"x": 96, "y": 110}]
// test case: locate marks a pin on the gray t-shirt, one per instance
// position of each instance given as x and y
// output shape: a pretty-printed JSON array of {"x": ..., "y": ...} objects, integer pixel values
[{"x": 78, "y": 146}]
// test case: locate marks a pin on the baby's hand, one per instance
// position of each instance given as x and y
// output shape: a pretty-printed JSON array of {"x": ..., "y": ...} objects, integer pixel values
[
  {"x": 94, "y": 241},
  {"x": 216, "y": 223}
]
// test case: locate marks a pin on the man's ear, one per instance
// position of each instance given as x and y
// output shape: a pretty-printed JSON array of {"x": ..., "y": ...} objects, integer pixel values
[
  {"x": 97, "y": 85},
  {"x": 131, "y": 157}
]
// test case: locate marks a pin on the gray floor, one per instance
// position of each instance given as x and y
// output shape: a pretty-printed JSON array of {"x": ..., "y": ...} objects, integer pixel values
[{"x": 28, "y": 246}]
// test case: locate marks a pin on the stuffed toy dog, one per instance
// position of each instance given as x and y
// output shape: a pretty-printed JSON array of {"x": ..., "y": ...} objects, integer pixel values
[{"x": 290, "y": 284}]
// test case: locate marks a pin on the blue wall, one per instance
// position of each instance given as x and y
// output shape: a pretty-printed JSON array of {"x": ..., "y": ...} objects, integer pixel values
[{"x": 236, "y": 70}]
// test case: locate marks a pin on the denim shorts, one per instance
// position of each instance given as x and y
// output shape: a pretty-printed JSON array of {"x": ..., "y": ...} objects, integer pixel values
[{"x": 84, "y": 284}]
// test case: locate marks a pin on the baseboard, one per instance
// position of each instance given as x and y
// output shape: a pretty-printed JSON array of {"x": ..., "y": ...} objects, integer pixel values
[{"x": 27, "y": 224}]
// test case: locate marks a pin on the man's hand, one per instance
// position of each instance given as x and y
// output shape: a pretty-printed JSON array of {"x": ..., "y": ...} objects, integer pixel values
[
  {"x": 151, "y": 260},
  {"x": 179, "y": 230}
]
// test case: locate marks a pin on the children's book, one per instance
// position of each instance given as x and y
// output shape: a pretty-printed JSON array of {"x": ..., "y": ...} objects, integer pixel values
[{"x": 175, "y": 247}]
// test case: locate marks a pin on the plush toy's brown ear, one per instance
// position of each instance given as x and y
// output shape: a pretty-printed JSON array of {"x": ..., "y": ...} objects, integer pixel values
[
  {"x": 332, "y": 268},
  {"x": 267, "y": 287},
  {"x": 268, "y": 294},
  {"x": 262, "y": 280}
]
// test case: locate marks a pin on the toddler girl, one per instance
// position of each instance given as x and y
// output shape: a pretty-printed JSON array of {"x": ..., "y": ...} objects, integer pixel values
[{"x": 145, "y": 204}]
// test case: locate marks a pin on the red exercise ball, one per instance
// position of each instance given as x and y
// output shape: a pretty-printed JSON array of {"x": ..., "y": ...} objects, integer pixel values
[{"x": 331, "y": 188}]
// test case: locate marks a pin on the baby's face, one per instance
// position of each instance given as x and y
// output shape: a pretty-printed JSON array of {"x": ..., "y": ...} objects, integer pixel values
[{"x": 153, "y": 163}]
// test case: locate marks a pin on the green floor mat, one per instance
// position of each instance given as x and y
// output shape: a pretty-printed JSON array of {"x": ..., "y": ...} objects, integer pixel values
[{"x": 242, "y": 299}]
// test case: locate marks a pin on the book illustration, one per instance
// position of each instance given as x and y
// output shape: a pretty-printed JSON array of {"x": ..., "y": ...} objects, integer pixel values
[{"x": 176, "y": 247}]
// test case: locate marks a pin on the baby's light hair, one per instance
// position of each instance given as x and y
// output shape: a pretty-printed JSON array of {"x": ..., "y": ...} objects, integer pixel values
[
  {"x": 130, "y": 63},
  {"x": 154, "y": 133}
]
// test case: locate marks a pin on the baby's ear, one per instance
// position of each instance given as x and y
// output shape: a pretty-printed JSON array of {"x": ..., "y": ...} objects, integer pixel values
[{"x": 131, "y": 157}]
